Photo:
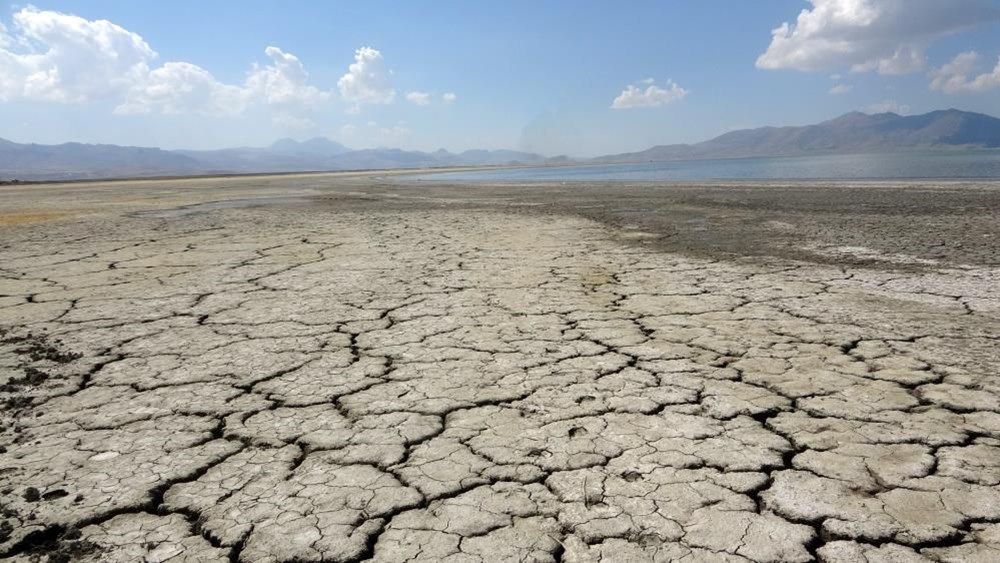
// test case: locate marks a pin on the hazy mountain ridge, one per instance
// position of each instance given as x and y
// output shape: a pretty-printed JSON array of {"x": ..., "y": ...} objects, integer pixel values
[
  {"x": 78, "y": 160},
  {"x": 851, "y": 132}
]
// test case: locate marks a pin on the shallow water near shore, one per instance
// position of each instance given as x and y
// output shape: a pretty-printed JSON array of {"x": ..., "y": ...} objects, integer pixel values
[{"x": 910, "y": 165}]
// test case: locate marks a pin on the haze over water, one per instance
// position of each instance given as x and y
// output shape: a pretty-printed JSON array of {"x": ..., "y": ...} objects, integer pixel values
[{"x": 911, "y": 165}]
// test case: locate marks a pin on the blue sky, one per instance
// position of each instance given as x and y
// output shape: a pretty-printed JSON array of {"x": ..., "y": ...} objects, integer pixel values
[{"x": 581, "y": 78}]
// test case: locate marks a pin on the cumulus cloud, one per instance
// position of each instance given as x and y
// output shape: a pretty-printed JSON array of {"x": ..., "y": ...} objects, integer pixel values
[
  {"x": 179, "y": 87},
  {"x": 906, "y": 59},
  {"x": 56, "y": 57},
  {"x": 651, "y": 96},
  {"x": 284, "y": 81},
  {"x": 64, "y": 58},
  {"x": 368, "y": 80},
  {"x": 840, "y": 89},
  {"x": 959, "y": 76},
  {"x": 418, "y": 98},
  {"x": 888, "y": 106},
  {"x": 885, "y": 36},
  {"x": 183, "y": 87},
  {"x": 5, "y": 39}
]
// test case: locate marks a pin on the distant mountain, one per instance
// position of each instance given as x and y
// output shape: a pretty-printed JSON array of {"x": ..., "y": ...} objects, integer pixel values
[
  {"x": 75, "y": 160},
  {"x": 854, "y": 132},
  {"x": 315, "y": 146},
  {"x": 479, "y": 157},
  {"x": 851, "y": 133}
]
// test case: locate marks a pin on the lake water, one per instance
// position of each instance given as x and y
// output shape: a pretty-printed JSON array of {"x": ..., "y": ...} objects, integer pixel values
[{"x": 911, "y": 165}]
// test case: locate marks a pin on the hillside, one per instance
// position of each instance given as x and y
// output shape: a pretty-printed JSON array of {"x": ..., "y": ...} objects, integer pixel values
[
  {"x": 850, "y": 133},
  {"x": 79, "y": 161}
]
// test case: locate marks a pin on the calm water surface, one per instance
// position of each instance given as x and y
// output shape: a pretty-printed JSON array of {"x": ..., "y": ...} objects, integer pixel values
[{"x": 912, "y": 165}]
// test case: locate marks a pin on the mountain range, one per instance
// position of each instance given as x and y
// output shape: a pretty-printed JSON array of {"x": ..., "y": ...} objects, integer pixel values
[
  {"x": 850, "y": 133},
  {"x": 83, "y": 161}
]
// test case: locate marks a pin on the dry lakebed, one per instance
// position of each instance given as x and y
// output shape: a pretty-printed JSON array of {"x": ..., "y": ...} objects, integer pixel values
[{"x": 370, "y": 367}]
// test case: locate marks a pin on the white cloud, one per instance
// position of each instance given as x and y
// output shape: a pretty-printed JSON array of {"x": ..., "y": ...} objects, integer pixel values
[
  {"x": 652, "y": 96},
  {"x": 906, "y": 59},
  {"x": 284, "y": 82},
  {"x": 418, "y": 98},
  {"x": 179, "y": 87},
  {"x": 888, "y": 106},
  {"x": 840, "y": 89},
  {"x": 448, "y": 97},
  {"x": 68, "y": 59},
  {"x": 64, "y": 58},
  {"x": 958, "y": 76},
  {"x": 367, "y": 81},
  {"x": 886, "y": 36},
  {"x": 183, "y": 87}
]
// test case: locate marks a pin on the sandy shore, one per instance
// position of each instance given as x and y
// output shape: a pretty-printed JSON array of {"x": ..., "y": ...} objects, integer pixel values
[{"x": 346, "y": 368}]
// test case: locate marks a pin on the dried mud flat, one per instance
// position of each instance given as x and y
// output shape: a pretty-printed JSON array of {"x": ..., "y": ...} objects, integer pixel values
[{"x": 358, "y": 369}]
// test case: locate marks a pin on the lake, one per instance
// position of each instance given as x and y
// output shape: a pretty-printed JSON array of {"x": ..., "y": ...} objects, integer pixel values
[{"x": 972, "y": 164}]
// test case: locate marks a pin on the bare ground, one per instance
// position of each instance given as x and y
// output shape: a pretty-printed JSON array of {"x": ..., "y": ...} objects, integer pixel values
[{"x": 328, "y": 368}]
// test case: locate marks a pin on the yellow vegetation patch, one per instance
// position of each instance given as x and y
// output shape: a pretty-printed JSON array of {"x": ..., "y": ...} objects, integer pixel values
[{"x": 22, "y": 217}]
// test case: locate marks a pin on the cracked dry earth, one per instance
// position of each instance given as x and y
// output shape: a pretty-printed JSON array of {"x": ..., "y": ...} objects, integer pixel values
[{"x": 289, "y": 384}]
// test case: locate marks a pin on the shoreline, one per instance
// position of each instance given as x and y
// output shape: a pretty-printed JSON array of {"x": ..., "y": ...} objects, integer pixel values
[
  {"x": 585, "y": 164},
  {"x": 882, "y": 224}
]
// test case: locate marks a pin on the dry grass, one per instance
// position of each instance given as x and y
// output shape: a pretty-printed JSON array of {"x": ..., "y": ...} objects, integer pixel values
[{"x": 24, "y": 217}]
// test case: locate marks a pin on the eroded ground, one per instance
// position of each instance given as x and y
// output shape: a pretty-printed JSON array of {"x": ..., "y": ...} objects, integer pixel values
[{"x": 349, "y": 375}]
